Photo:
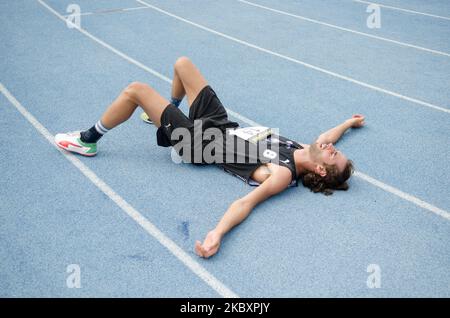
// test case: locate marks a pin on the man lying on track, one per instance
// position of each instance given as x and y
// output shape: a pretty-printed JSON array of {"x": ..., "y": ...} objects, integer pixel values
[{"x": 273, "y": 162}]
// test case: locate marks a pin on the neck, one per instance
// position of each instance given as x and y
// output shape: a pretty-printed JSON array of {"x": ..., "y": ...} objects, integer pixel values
[{"x": 303, "y": 162}]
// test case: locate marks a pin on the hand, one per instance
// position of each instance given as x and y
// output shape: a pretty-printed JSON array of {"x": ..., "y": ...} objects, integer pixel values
[
  {"x": 210, "y": 246},
  {"x": 357, "y": 121}
]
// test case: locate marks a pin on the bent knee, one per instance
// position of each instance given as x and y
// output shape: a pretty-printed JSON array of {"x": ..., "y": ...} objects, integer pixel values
[
  {"x": 137, "y": 87},
  {"x": 182, "y": 61},
  {"x": 134, "y": 89}
]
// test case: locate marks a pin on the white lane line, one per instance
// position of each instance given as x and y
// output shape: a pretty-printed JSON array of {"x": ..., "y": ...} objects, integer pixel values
[
  {"x": 133, "y": 61},
  {"x": 346, "y": 29},
  {"x": 148, "y": 226},
  {"x": 151, "y": 229},
  {"x": 404, "y": 195},
  {"x": 134, "y": 8},
  {"x": 120, "y": 10},
  {"x": 106, "y": 45},
  {"x": 322, "y": 70},
  {"x": 375, "y": 182},
  {"x": 404, "y": 10}
]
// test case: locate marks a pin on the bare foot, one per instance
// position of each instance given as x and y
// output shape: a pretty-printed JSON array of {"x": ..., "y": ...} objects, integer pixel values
[{"x": 210, "y": 246}]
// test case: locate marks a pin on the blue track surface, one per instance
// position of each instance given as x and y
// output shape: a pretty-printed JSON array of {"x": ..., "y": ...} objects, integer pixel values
[{"x": 297, "y": 244}]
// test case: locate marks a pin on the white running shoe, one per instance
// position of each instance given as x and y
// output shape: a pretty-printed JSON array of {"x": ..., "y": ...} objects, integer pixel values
[{"x": 71, "y": 142}]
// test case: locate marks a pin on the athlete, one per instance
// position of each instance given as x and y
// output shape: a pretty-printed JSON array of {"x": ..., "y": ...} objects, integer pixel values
[{"x": 276, "y": 164}]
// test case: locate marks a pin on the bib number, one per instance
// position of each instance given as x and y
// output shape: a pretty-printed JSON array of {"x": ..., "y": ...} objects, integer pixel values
[{"x": 269, "y": 154}]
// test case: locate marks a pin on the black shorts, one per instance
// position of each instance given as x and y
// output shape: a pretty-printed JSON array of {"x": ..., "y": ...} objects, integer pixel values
[{"x": 206, "y": 108}]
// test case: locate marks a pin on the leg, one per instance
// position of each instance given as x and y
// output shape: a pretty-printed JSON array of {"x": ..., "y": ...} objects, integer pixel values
[
  {"x": 136, "y": 94},
  {"x": 187, "y": 80}
]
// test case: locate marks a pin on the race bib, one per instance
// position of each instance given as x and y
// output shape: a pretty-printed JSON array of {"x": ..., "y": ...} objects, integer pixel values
[{"x": 252, "y": 134}]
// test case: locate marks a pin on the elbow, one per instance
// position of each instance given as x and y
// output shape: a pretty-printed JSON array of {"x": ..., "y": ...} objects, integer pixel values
[
  {"x": 239, "y": 203},
  {"x": 242, "y": 204},
  {"x": 247, "y": 204},
  {"x": 322, "y": 139}
]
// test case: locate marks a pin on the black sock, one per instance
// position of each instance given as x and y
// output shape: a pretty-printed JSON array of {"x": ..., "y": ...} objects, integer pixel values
[
  {"x": 94, "y": 133},
  {"x": 90, "y": 136},
  {"x": 176, "y": 101}
]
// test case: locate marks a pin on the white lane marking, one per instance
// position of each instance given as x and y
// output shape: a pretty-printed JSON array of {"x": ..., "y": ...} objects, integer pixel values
[
  {"x": 346, "y": 29},
  {"x": 106, "y": 45},
  {"x": 404, "y": 195},
  {"x": 121, "y": 10},
  {"x": 148, "y": 226},
  {"x": 322, "y": 70},
  {"x": 379, "y": 184},
  {"x": 133, "y": 61},
  {"x": 404, "y": 10}
]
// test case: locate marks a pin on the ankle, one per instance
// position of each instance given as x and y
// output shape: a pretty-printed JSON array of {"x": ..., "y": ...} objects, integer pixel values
[
  {"x": 176, "y": 101},
  {"x": 93, "y": 134}
]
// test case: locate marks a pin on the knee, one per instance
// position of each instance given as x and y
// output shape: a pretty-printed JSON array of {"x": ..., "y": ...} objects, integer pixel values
[
  {"x": 182, "y": 62},
  {"x": 134, "y": 89}
]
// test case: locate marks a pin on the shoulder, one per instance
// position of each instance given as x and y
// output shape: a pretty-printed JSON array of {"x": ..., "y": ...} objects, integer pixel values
[
  {"x": 280, "y": 177},
  {"x": 279, "y": 180},
  {"x": 304, "y": 145}
]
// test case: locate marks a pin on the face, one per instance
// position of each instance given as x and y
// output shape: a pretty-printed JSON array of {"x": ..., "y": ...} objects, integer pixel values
[{"x": 327, "y": 154}]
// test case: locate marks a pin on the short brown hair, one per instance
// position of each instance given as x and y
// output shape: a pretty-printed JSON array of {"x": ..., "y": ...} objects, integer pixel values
[{"x": 333, "y": 180}]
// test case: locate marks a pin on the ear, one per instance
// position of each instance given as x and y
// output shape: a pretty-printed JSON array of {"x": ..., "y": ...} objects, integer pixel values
[{"x": 320, "y": 170}]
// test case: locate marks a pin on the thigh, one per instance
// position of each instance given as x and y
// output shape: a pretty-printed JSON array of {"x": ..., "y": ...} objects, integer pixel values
[
  {"x": 207, "y": 105},
  {"x": 191, "y": 78},
  {"x": 172, "y": 119},
  {"x": 149, "y": 100}
]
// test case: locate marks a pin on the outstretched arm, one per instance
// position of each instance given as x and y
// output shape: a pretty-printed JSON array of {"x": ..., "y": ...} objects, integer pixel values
[
  {"x": 241, "y": 208},
  {"x": 334, "y": 134}
]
